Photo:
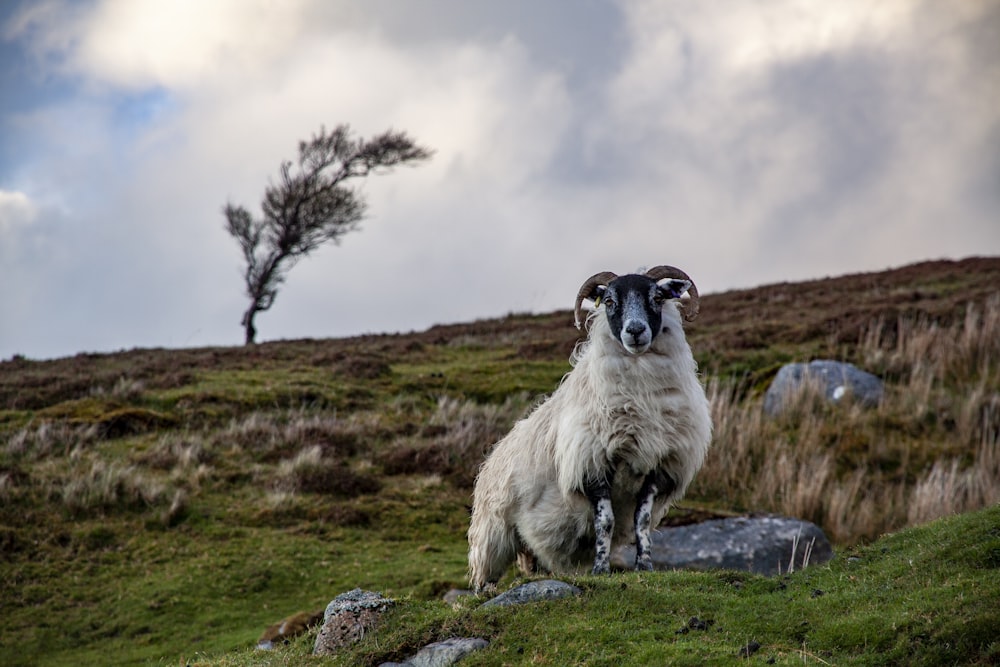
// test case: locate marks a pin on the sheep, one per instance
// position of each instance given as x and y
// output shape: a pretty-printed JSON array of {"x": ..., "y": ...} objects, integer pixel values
[{"x": 602, "y": 459}]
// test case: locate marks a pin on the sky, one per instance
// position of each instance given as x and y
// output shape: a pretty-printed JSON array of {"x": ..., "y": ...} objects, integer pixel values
[{"x": 746, "y": 142}]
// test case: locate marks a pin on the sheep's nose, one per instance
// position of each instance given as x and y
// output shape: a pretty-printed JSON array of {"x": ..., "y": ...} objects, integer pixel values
[{"x": 635, "y": 329}]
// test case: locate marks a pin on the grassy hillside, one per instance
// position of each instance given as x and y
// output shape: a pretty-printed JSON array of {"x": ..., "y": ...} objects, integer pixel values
[
  {"x": 925, "y": 596},
  {"x": 158, "y": 505}
]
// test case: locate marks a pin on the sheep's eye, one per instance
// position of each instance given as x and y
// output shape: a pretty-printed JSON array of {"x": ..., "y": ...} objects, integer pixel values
[
  {"x": 609, "y": 303},
  {"x": 658, "y": 299}
]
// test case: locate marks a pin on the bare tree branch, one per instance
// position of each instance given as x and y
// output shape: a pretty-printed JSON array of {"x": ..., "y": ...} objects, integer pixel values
[{"x": 310, "y": 206}]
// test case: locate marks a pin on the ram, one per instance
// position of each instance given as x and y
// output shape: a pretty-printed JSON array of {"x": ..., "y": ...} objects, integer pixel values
[{"x": 603, "y": 458}]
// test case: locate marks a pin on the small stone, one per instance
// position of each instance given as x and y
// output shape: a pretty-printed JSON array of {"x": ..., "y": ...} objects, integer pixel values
[
  {"x": 749, "y": 649},
  {"x": 535, "y": 591},
  {"x": 454, "y": 595},
  {"x": 696, "y": 623},
  {"x": 443, "y": 653},
  {"x": 288, "y": 628}
]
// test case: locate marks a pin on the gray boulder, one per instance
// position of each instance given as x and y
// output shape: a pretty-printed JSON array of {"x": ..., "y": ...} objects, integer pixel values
[
  {"x": 763, "y": 545},
  {"x": 534, "y": 591},
  {"x": 442, "y": 654},
  {"x": 348, "y": 618},
  {"x": 837, "y": 379}
]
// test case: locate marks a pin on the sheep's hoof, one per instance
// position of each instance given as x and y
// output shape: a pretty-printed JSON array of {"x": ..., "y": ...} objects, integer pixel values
[
  {"x": 489, "y": 589},
  {"x": 601, "y": 568},
  {"x": 645, "y": 565}
]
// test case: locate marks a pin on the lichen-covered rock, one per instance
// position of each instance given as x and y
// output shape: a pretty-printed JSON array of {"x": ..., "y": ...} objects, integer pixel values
[
  {"x": 837, "y": 379},
  {"x": 348, "y": 618},
  {"x": 754, "y": 544},
  {"x": 443, "y": 653},
  {"x": 534, "y": 591}
]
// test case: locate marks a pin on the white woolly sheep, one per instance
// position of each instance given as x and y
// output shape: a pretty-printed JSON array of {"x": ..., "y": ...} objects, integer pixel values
[{"x": 602, "y": 459}]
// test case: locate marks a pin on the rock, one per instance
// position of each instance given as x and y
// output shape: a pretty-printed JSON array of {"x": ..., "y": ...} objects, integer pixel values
[
  {"x": 348, "y": 618},
  {"x": 442, "y": 654},
  {"x": 837, "y": 379},
  {"x": 754, "y": 544},
  {"x": 452, "y": 597},
  {"x": 749, "y": 649},
  {"x": 287, "y": 628},
  {"x": 534, "y": 591}
]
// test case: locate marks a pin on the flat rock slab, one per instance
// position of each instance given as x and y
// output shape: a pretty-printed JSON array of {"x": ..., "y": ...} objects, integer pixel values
[
  {"x": 534, "y": 591},
  {"x": 442, "y": 654},
  {"x": 836, "y": 378},
  {"x": 763, "y": 545}
]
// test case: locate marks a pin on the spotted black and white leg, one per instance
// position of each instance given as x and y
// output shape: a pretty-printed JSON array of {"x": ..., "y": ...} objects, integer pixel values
[
  {"x": 656, "y": 483},
  {"x": 599, "y": 495}
]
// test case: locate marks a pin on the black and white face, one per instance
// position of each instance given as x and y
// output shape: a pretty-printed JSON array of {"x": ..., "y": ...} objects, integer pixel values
[{"x": 633, "y": 305}]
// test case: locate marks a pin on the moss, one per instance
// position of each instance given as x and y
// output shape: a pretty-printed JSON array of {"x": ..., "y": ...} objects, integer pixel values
[{"x": 114, "y": 419}]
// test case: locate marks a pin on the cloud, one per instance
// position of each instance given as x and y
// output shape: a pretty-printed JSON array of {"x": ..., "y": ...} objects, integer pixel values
[
  {"x": 146, "y": 43},
  {"x": 801, "y": 134},
  {"x": 747, "y": 143},
  {"x": 16, "y": 209},
  {"x": 492, "y": 120}
]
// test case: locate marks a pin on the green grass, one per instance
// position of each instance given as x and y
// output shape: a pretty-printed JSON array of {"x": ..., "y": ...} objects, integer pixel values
[
  {"x": 138, "y": 593},
  {"x": 925, "y": 596}
]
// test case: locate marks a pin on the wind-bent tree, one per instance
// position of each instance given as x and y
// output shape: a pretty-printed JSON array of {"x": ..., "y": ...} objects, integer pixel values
[{"x": 309, "y": 207}]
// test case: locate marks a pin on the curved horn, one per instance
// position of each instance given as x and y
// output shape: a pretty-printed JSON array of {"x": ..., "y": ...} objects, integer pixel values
[
  {"x": 659, "y": 273},
  {"x": 586, "y": 291}
]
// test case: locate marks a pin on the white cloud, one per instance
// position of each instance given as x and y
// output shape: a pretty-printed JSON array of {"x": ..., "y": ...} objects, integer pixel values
[
  {"x": 16, "y": 210},
  {"x": 793, "y": 139},
  {"x": 177, "y": 44}
]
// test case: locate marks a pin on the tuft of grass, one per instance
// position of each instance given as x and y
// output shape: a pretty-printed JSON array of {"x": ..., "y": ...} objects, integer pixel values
[
  {"x": 272, "y": 436},
  {"x": 49, "y": 439},
  {"x": 99, "y": 487},
  {"x": 311, "y": 471},
  {"x": 457, "y": 437}
]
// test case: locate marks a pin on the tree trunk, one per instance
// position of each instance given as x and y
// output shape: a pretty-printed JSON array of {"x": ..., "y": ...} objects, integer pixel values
[{"x": 251, "y": 332}]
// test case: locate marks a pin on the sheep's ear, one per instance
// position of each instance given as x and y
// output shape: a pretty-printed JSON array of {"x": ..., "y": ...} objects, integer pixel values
[
  {"x": 598, "y": 294},
  {"x": 674, "y": 288}
]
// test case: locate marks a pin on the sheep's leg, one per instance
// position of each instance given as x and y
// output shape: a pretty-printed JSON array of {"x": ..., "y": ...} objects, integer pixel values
[
  {"x": 599, "y": 495},
  {"x": 492, "y": 546},
  {"x": 527, "y": 563},
  {"x": 656, "y": 483}
]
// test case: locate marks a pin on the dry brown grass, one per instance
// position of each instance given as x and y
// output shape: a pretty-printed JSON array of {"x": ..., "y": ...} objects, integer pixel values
[
  {"x": 271, "y": 437},
  {"x": 98, "y": 487},
  {"x": 457, "y": 438},
  {"x": 313, "y": 471},
  {"x": 37, "y": 442},
  {"x": 930, "y": 449}
]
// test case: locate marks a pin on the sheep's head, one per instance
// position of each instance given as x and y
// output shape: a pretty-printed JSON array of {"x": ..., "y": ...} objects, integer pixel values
[{"x": 633, "y": 303}]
